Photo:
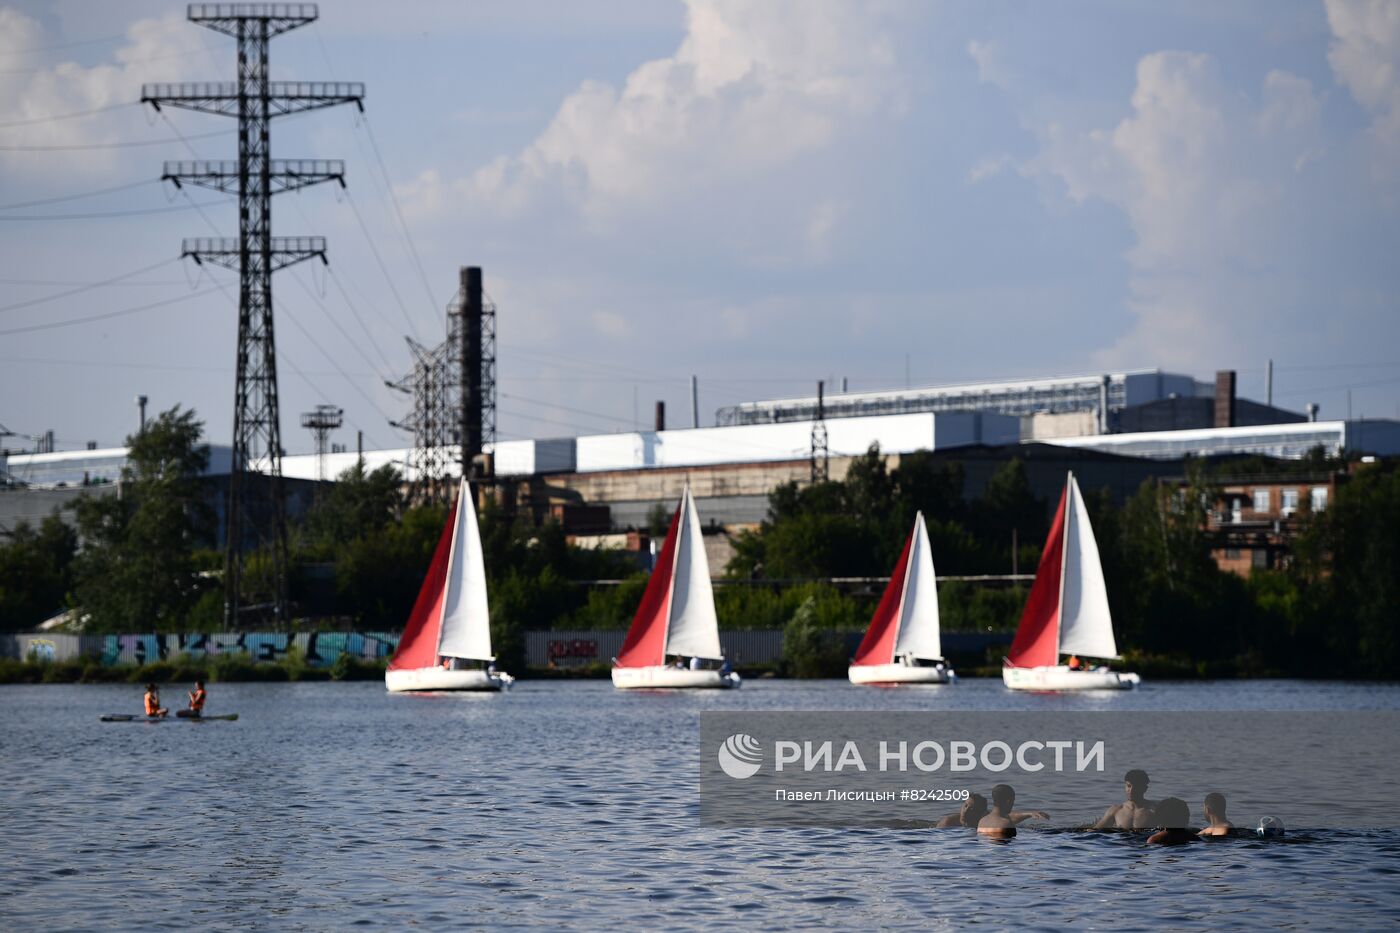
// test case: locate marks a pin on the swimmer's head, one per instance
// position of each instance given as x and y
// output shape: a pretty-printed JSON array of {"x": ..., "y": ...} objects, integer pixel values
[
  {"x": 1135, "y": 782},
  {"x": 973, "y": 809},
  {"x": 1003, "y": 797},
  {"x": 1215, "y": 805},
  {"x": 1172, "y": 813}
]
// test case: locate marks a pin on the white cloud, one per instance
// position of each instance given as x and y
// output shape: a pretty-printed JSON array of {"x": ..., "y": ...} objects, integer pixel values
[
  {"x": 751, "y": 89},
  {"x": 164, "y": 49},
  {"x": 991, "y": 69},
  {"x": 1210, "y": 184},
  {"x": 1365, "y": 56}
]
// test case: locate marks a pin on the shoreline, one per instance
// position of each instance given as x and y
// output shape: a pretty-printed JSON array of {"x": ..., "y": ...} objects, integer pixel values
[{"x": 234, "y": 669}]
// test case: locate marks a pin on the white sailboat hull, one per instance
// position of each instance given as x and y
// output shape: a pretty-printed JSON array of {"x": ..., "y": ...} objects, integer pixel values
[
  {"x": 899, "y": 674},
  {"x": 1060, "y": 677},
  {"x": 437, "y": 678},
  {"x": 671, "y": 678}
]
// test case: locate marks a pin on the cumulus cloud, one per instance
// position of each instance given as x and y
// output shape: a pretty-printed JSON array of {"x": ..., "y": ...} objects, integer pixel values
[
  {"x": 164, "y": 49},
  {"x": 751, "y": 89},
  {"x": 1365, "y": 56},
  {"x": 1210, "y": 183}
]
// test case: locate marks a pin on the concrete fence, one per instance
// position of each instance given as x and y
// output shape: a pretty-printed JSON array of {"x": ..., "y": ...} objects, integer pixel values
[{"x": 560, "y": 649}]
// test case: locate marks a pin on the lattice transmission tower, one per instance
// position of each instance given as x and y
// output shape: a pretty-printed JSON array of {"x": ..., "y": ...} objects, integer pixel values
[
  {"x": 453, "y": 386},
  {"x": 253, "y": 518}
]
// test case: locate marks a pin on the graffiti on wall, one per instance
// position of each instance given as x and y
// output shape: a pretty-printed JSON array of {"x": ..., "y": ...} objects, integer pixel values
[{"x": 319, "y": 648}]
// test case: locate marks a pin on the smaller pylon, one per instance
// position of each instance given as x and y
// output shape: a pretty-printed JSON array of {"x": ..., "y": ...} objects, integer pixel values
[
  {"x": 820, "y": 453},
  {"x": 322, "y": 421}
]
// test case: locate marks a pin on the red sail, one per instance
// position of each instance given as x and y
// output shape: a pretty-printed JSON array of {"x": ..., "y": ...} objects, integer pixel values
[
  {"x": 646, "y": 639},
  {"x": 418, "y": 644},
  {"x": 1037, "y": 642},
  {"x": 877, "y": 647}
]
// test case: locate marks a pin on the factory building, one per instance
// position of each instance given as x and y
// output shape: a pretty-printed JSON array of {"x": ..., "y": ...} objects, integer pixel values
[{"x": 1052, "y": 424}]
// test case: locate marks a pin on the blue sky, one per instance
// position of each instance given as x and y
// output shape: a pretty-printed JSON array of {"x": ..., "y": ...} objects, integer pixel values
[{"x": 759, "y": 194}]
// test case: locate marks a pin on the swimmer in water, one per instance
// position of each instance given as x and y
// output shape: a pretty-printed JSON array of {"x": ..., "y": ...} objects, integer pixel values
[
  {"x": 1002, "y": 821},
  {"x": 1172, "y": 817},
  {"x": 973, "y": 809},
  {"x": 1215, "y": 816},
  {"x": 1136, "y": 811}
]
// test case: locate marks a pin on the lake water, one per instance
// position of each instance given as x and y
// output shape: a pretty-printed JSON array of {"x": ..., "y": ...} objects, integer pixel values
[{"x": 567, "y": 803}]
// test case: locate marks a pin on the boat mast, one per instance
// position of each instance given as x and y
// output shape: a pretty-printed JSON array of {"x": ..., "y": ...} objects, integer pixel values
[
  {"x": 1064, "y": 559},
  {"x": 904, "y": 588},
  {"x": 463, "y": 490},
  {"x": 682, "y": 526}
]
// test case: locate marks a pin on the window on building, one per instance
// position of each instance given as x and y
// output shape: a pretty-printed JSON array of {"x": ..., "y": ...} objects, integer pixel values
[
  {"x": 1289, "y": 504},
  {"x": 1317, "y": 498},
  {"x": 1232, "y": 553},
  {"x": 1259, "y": 559},
  {"x": 1261, "y": 500}
]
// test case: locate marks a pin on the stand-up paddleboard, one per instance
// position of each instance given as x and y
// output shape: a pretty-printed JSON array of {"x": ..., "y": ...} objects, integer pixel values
[{"x": 179, "y": 714}]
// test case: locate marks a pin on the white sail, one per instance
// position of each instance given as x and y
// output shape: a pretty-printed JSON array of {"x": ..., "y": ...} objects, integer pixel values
[
  {"x": 466, "y": 617},
  {"x": 693, "y": 629},
  {"x": 918, "y": 617},
  {"x": 1086, "y": 627}
]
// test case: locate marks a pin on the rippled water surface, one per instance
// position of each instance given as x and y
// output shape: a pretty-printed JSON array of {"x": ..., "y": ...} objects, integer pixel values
[{"x": 566, "y": 803}]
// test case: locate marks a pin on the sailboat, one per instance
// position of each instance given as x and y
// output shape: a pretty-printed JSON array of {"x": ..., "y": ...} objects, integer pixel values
[
  {"x": 1067, "y": 611},
  {"x": 676, "y": 617},
  {"x": 902, "y": 644},
  {"x": 450, "y": 626}
]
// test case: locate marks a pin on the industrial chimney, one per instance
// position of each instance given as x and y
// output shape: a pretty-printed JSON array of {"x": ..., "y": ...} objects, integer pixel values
[
  {"x": 1225, "y": 398},
  {"x": 660, "y": 415}
]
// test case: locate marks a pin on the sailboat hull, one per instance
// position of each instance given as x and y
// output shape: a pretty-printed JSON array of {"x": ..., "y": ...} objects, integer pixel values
[
  {"x": 1061, "y": 678},
  {"x": 899, "y": 674},
  {"x": 671, "y": 678},
  {"x": 437, "y": 678}
]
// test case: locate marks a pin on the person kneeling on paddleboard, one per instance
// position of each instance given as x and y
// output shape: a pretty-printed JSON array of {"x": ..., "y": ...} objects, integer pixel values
[
  {"x": 197, "y": 698},
  {"x": 153, "y": 707}
]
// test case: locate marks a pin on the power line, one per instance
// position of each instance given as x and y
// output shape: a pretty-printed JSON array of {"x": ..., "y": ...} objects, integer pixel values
[
  {"x": 317, "y": 344},
  {"x": 89, "y": 287},
  {"x": 576, "y": 411},
  {"x": 68, "y": 116},
  {"x": 52, "y": 325},
  {"x": 124, "y": 144},
  {"x": 66, "y": 45},
  {"x": 393, "y": 199},
  {"x": 131, "y": 61},
  {"x": 358, "y": 319},
  {"x": 77, "y": 197},
  {"x": 382, "y": 268},
  {"x": 107, "y": 215},
  {"x": 331, "y": 317}
]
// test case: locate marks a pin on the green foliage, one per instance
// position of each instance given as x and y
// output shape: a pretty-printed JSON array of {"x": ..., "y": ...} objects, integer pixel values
[
  {"x": 137, "y": 569},
  {"x": 1348, "y": 574},
  {"x": 857, "y": 527},
  {"x": 812, "y": 647},
  {"x": 35, "y": 573}
]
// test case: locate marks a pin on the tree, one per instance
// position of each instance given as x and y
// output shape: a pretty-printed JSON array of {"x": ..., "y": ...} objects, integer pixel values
[
  {"x": 35, "y": 573},
  {"x": 1349, "y": 568},
  {"x": 137, "y": 570}
]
